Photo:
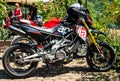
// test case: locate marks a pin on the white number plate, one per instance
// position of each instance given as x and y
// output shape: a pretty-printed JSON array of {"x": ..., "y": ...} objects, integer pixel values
[{"x": 81, "y": 31}]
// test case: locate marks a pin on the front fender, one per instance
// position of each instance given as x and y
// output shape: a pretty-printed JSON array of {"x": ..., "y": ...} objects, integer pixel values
[{"x": 93, "y": 48}]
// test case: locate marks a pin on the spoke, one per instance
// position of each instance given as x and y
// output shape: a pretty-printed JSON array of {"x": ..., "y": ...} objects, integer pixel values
[
  {"x": 24, "y": 69},
  {"x": 14, "y": 64}
]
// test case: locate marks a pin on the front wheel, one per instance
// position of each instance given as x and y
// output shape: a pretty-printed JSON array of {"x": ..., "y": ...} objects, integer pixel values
[
  {"x": 13, "y": 64},
  {"x": 99, "y": 63}
]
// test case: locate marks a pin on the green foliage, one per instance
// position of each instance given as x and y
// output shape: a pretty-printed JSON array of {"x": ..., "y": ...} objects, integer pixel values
[
  {"x": 117, "y": 64},
  {"x": 2, "y": 16},
  {"x": 3, "y": 12},
  {"x": 47, "y": 10},
  {"x": 107, "y": 12},
  {"x": 54, "y": 9},
  {"x": 113, "y": 12}
]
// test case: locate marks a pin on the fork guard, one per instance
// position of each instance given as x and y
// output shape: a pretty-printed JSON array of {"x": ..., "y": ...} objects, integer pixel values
[{"x": 93, "y": 48}]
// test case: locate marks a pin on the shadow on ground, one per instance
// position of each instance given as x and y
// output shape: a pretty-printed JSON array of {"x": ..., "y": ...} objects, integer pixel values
[
  {"x": 85, "y": 72},
  {"x": 0, "y": 58},
  {"x": 54, "y": 71}
]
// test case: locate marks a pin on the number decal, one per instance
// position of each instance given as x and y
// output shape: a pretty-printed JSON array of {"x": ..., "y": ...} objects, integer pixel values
[{"x": 82, "y": 32}]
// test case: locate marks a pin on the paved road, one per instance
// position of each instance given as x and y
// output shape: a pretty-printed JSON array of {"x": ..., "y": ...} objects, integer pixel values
[{"x": 77, "y": 70}]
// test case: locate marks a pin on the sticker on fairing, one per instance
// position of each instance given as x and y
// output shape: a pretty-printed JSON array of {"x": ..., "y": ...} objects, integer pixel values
[{"x": 82, "y": 33}]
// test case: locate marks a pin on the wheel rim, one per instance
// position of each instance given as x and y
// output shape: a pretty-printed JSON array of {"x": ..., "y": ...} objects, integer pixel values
[
  {"x": 16, "y": 67},
  {"x": 102, "y": 62}
]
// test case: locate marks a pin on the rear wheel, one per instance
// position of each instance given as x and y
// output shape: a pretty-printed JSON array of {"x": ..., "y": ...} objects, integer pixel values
[
  {"x": 13, "y": 64},
  {"x": 99, "y": 63}
]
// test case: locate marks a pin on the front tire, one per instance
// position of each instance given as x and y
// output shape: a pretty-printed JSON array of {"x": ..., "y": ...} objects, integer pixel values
[
  {"x": 101, "y": 64},
  {"x": 13, "y": 67}
]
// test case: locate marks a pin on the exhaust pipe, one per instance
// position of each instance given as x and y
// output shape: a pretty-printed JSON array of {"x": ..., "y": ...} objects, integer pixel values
[{"x": 17, "y": 31}]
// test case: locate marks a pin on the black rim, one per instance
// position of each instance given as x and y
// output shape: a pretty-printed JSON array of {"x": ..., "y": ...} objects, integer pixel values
[
  {"x": 102, "y": 62},
  {"x": 13, "y": 63}
]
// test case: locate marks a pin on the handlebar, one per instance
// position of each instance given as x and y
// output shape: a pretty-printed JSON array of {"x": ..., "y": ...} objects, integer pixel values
[{"x": 94, "y": 30}]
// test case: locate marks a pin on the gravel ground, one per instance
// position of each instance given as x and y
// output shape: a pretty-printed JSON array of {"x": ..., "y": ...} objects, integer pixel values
[{"x": 77, "y": 70}]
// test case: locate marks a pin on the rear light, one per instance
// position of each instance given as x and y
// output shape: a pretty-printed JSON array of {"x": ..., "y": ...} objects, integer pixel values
[
  {"x": 6, "y": 25},
  {"x": 33, "y": 23}
]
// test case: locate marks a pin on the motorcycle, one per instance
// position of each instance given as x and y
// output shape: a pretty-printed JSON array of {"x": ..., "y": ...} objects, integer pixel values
[
  {"x": 20, "y": 39},
  {"x": 57, "y": 45}
]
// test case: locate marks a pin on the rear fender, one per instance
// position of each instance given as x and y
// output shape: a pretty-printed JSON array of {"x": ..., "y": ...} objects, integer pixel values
[{"x": 26, "y": 45}]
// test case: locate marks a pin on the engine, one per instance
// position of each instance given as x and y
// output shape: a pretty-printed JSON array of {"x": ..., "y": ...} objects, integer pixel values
[{"x": 58, "y": 52}]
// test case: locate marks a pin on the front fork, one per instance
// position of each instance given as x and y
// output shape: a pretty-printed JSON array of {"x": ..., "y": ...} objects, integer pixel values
[{"x": 92, "y": 39}]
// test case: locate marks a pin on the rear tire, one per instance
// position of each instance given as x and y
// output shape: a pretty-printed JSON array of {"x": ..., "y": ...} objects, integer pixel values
[
  {"x": 101, "y": 64},
  {"x": 13, "y": 67}
]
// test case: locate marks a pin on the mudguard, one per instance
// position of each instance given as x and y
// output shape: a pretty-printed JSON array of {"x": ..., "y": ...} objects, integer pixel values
[
  {"x": 93, "y": 48},
  {"x": 26, "y": 45}
]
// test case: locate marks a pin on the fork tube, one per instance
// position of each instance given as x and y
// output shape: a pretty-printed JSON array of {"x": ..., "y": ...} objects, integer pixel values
[
  {"x": 92, "y": 39},
  {"x": 90, "y": 34}
]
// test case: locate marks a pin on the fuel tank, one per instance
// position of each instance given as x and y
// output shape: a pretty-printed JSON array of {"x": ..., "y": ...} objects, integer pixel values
[{"x": 40, "y": 33}]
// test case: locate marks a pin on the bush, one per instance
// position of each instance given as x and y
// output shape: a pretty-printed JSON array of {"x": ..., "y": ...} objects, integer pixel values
[
  {"x": 54, "y": 9},
  {"x": 2, "y": 16}
]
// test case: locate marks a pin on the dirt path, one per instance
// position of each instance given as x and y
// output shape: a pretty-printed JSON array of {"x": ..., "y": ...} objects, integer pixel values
[{"x": 77, "y": 70}]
